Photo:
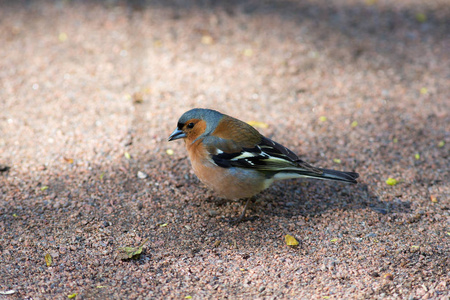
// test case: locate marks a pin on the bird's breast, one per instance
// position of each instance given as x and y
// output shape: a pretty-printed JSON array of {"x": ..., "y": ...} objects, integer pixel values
[{"x": 230, "y": 183}]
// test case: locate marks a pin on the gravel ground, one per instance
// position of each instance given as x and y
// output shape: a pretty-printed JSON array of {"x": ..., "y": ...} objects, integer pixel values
[{"x": 90, "y": 91}]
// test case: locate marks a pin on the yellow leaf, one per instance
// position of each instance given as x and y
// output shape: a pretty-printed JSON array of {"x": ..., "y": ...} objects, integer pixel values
[
  {"x": 391, "y": 181},
  {"x": 433, "y": 199},
  {"x": 290, "y": 240},
  {"x": 395, "y": 140},
  {"x": 248, "y": 52},
  {"x": 163, "y": 225},
  {"x": 62, "y": 37},
  {"x": 101, "y": 175},
  {"x": 337, "y": 160},
  {"x": 421, "y": 17},
  {"x": 423, "y": 90},
  {"x": 48, "y": 259},
  {"x": 15, "y": 215},
  {"x": 207, "y": 40},
  {"x": 126, "y": 253},
  {"x": 157, "y": 43},
  {"x": 169, "y": 152},
  {"x": 258, "y": 124},
  {"x": 68, "y": 160},
  {"x": 188, "y": 297},
  {"x": 101, "y": 286},
  {"x": 417, "y": 156},
  {"x": 334, "y": 240},
  {"x": 127, "y": 155},
  {"x": 322, "y": 119},
  {"x": 441, "y": 144},
  {"x": 44, "y": 188},
  {"x": 354, "y": 124},
  {"x": 72, "y": 295}
]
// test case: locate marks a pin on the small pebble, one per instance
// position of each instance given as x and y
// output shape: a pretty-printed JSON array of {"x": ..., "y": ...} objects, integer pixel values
[
  {"x": 212, "y": 213},
  {"x": 374, "y": 274},
  {"x": 141, "y": 175}
]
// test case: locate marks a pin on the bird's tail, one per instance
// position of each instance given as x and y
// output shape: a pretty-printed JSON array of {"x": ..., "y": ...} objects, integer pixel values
[
  {"x": 317, "y": 173},
  {"x": 336, "y": 175}
]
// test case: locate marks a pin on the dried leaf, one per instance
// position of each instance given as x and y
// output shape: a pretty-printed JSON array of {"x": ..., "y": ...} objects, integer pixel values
[
  {"x": 248, "y": 52},
  {"x": 138, "y": 97},
  {"x": 290, "y": 240},
  {"x": 421, "y": 17},
  {"x": 157, "y": 43},
  {"x": 126, "y": 253},
  {"x": 388, "y": 276},
  {"x": 207, "y": 40},
  {"x": 62, "y": 37},
  {"x": 391, "y": 181},
  {"x": 68, "y": 160},
  {"x": 217, "y": 243},
  {"x": 258, "y": 124},
  {"x": 48, "y": 259},
  {"x": 414, "y": 248},
  {"x": 127, "y": 155},
  {"x": 433, "y": 199}
]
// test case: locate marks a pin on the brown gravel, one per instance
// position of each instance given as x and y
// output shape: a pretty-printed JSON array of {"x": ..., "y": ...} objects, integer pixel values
[{"x": 85, "y": 84}]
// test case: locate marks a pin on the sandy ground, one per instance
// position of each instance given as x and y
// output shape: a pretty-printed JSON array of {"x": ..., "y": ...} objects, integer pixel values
[{"x": 90, "y": 91}]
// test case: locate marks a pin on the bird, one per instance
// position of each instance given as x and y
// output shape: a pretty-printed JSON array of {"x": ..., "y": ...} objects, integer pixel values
[{"x": 236, "y": 161}]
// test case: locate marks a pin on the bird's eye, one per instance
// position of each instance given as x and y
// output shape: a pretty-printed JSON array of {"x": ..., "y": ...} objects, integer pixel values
[{"x": 190, "y": 125}]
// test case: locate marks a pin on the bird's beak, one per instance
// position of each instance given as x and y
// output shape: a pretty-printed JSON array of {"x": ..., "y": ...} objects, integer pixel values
[{"x": 177, "y": 134}]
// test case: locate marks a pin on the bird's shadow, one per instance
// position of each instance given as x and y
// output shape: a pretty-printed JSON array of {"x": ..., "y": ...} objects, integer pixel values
[{"x": 307, "y": 198}]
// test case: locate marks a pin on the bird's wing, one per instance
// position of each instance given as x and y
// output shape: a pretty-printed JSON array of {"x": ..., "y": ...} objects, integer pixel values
[{"x": 266, "y": 156}]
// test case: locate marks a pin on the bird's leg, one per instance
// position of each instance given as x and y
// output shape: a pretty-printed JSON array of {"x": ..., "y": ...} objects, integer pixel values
[{"x": 243, "y": 212}]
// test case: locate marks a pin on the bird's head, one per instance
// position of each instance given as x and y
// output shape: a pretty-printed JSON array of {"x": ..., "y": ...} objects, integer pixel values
[{"x": 196, "y": 123}]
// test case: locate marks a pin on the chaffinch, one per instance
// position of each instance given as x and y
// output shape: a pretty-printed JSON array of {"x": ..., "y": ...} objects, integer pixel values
[{"x": 236, "y": 161}]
